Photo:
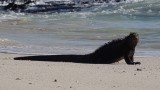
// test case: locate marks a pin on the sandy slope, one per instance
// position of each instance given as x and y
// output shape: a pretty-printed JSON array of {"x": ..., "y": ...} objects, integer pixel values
[{"x": 34, "y": 75}]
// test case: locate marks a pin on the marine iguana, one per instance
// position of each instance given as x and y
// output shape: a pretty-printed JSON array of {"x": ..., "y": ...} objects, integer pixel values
[{"x": 113, "y": 51}]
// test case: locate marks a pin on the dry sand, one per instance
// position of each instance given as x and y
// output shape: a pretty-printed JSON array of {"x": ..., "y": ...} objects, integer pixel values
[{"x": 34, "y": 75}]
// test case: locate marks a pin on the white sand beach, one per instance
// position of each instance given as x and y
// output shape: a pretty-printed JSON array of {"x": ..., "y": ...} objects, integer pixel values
[
  {"x": 36, "y": 75},
  {"x": 82, "y": 32}
]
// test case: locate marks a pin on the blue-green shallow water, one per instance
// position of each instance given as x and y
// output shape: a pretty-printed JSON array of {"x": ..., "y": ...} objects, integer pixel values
[{"x": 82, "y": 32}]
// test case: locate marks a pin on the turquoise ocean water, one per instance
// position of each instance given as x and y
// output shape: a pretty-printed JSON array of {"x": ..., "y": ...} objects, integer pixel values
[{"x": 82, "y": 32}]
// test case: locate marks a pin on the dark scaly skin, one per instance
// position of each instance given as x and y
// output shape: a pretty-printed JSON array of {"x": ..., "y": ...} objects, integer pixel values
[{"x": 111, "y": 52}]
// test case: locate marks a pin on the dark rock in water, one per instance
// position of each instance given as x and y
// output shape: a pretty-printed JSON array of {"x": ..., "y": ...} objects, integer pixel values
[
  {"x": 53, "y": 6},
  {"x": 48, "y": 6},
  {"x": 13, "y": 6}
]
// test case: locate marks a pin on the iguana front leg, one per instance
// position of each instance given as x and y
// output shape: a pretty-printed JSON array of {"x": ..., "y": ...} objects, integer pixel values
[{"x": 129, "y": 58}]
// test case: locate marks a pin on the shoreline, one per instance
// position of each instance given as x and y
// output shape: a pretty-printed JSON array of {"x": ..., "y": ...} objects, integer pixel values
[{"x": 36, "y": 75}]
